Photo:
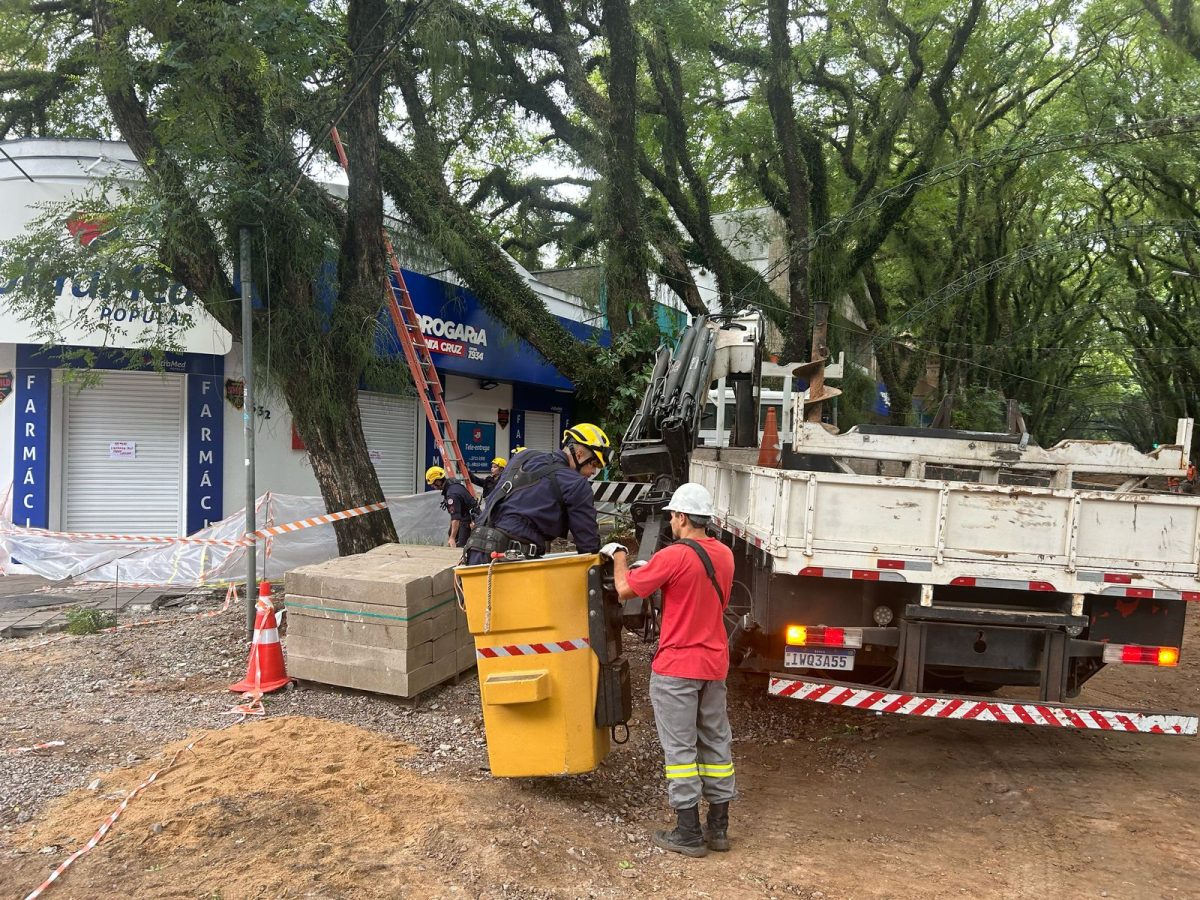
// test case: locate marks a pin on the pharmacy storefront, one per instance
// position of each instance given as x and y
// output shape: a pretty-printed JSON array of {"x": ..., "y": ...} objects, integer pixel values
[
  {"x": 95, "y": 439},
  {"x": 114, "y": 449},
  {"x": 499, "y": 391}
]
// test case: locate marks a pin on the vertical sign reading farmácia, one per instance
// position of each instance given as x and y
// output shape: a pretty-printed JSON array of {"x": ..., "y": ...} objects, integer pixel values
[
  {"x": 204, "y": 442},
  {"x": 31, "y": 451}
]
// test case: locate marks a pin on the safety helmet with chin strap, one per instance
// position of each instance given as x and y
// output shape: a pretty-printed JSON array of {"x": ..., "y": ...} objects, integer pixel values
[{"x": 585, "y": 434}]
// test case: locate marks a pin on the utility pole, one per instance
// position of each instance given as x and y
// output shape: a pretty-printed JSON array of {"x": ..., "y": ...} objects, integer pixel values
[{"x": 248, "y": 420}]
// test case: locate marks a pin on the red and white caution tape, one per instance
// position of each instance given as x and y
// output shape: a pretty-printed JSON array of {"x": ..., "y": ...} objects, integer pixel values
[
  {"x": 230, "y": 594},
  {"x": 252, "y": 705},
  {"x": 970, "y": 710},
  {"x": 312, "y": 521},
  {"x": 531, "y": 649},
  {"x": 107, "y": 824},
  {"x": 17, "y": 751},
  {"x": 53, "y": 640},
  {"x": 123, "y": 538},
  {"x": 270, "y": 531}
]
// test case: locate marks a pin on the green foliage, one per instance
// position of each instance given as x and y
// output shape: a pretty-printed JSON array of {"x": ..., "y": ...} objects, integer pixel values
[
  {"x": 924, "y": 168},
  {"x": 979, "y": 408},
  {"x": 88, "y": 620},
  {"x": 388, "y": 375},
  {"x": 631, "y": 352},
  {"x": 857, "y": 403}
]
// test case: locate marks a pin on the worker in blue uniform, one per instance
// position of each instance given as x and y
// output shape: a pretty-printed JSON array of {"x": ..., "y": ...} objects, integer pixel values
[
  {"x": 543, "y": 496},
  {"x": 457, "y": 501},
  {"x": 495, "y": 473}
]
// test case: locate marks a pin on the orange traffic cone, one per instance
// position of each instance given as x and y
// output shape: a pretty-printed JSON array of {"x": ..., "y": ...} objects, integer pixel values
[
  {"x": 768, "y": 453},
  {"x": 265, "y": 671}
]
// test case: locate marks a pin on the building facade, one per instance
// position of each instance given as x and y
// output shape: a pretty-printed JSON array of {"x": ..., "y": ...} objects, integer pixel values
[{"x": 93, "y": 441}]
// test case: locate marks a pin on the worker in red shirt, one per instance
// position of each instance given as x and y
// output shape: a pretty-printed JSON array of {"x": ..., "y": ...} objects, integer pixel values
[{"x": 687, "y": 682}]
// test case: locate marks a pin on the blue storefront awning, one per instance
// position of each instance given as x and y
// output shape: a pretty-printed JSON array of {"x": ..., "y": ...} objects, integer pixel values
[{"x": 464, "y": 339}]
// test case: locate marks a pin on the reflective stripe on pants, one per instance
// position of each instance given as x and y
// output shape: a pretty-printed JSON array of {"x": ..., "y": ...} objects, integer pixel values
[{"x": 693, "y": 728}]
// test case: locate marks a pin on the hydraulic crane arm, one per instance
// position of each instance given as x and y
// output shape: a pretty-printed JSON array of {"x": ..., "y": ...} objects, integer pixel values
[{"x": 664, "y": 431}]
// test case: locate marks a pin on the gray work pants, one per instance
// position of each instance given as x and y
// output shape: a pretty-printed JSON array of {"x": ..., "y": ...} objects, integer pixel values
[{"x": 693, "y": 728}]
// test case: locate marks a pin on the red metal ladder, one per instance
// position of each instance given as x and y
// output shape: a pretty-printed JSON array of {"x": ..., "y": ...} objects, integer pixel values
[{"x": 420, "y": 363}]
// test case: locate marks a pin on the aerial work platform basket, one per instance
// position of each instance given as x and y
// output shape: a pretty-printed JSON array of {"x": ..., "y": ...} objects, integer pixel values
[{"x": 536, "y": 625}]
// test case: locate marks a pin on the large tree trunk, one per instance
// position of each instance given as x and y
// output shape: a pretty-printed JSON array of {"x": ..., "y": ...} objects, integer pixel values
[
  {"x": 783, "y": 117},
  {"x": 319, "y": 373},
  {"x": 625, "y": 269},
  {"x": 337, "y": 448},
  {"x": 337, "y": 452}
]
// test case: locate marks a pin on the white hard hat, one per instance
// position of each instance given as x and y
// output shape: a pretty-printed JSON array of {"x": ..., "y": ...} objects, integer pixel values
[{"x": 692, "y": 499}]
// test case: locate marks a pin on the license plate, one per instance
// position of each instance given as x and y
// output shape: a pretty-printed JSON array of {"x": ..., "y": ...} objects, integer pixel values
[{"x": 800, "y": 658}]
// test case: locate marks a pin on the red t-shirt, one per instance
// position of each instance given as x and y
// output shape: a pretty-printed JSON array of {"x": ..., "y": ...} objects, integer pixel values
[{"x": 693, "y": 643}]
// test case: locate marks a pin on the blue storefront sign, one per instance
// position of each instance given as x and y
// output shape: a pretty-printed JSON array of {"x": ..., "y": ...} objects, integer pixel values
[
  {"x": 205, "y": 443},
  {"x": 883, "y": 403},
  {"x": 31, "y": 456},
  {"x": 464, "y": 339},
  {"x": 204, "y": 427},
  {"x": 477, "y": 441},
  {"x": 517, "y": 434}
]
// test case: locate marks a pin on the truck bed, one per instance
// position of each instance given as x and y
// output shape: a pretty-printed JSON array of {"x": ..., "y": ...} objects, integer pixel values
[{"x": 944, "y": 532}]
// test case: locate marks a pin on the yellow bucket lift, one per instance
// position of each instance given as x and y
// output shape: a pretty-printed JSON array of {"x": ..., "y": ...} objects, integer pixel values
[{"x": 552, "y": 680}]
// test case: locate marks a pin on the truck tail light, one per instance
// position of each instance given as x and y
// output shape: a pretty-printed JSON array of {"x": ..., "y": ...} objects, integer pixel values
[
  {"x": 823, "y": 636},
  {"x": 1137, "y": 655}
]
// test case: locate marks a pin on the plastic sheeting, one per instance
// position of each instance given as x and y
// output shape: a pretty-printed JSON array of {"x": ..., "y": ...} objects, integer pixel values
[{"x": 418, "y": 520}]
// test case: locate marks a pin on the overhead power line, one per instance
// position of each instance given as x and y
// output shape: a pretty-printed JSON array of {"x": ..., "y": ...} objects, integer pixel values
[
  {"x": 1085, "y": 239},
  {"x": 1149, "y": 129},
  {"x": 378, "y": 61}
]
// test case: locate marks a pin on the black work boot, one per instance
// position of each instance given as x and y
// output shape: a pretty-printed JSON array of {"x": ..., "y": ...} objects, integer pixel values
[
  {"x": 716, "y": 835},
  {"x": 687, "y": 838}
]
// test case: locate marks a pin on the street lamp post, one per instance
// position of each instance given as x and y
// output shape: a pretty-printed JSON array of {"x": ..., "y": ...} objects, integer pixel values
[{"x": 248, "y": 420}]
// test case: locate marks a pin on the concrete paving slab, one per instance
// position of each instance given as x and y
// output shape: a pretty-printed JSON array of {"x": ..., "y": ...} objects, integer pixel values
[{"x": 26, "y": 610}]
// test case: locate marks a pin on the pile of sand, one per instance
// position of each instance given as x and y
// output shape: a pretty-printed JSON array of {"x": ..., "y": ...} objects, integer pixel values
[{"x": 283, "y": 807}]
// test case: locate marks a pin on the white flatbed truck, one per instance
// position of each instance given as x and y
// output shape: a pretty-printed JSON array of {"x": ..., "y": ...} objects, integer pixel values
[{"x": 929, "y": 571}]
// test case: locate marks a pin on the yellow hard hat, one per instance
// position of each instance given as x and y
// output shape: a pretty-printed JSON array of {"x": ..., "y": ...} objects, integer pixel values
[
  {"x": 591, "y": 436},
  {"x": 500, "y": 461},
  {"x": 517, "y": 450},
  {"x": 434, "y": 473}
]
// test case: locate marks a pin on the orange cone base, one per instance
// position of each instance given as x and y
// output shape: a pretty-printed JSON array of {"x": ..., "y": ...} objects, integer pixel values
[{"x": 247, "y": 684}]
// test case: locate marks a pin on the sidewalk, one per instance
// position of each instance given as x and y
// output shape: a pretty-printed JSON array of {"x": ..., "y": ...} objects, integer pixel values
[{"x": 31, "y": 604}]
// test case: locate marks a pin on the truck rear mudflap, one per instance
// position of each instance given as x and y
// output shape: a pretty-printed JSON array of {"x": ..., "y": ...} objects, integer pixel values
[{"x": 979, "y": 709}]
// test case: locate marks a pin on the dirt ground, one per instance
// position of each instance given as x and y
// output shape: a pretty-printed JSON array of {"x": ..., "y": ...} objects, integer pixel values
[{"x": 341, "y": 795}]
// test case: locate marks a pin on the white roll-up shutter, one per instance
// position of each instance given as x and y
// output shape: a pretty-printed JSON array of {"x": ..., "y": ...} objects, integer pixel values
[
  {"x": 390, "y": 427},
  {"x": 138, "y": 418},
  {"x": 541, "y": 431}
]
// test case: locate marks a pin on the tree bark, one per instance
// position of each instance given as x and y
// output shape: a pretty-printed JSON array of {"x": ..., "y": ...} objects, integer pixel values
[
  {"x": 324, "y": 405},
  {"x": 628, "y": 258},
  {"x": 1179, "y": 24},
  {"x": 695, "y": 214},
  {"x": 783, "y": 118},
  {"x": 338, "y": 448}
]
